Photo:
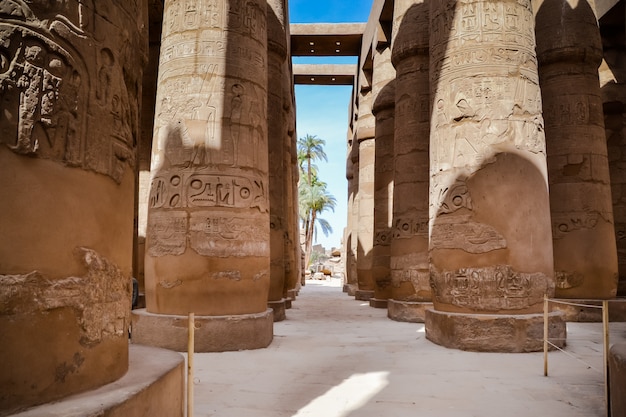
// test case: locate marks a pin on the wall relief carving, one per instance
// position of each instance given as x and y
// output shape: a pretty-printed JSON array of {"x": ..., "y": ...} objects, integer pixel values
[
  {"x": 60, "y": 78},
  {"x": 493, "y": 288}
]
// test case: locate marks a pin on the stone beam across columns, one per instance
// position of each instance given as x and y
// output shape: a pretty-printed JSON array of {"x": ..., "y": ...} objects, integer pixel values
[
  {"x": 326, "y": 39},
  {"x": 324, "y": 74}
]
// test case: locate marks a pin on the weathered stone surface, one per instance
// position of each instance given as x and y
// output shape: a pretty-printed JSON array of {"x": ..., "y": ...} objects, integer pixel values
[
  {"x": 408, "y": 311},
  {"x": 213, "y": 333},
  {"x": 209, "y": 198},
  {"x": 617, "y": 379},
  {"x": 569, "y": 52},
  {"x": 69, "y": 125},
  {"x": 493, "y": 333},
  {"x": 153, "y": 386}
]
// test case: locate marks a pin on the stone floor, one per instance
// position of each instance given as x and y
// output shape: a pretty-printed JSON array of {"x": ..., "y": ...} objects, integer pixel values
[{"x": 338, "y": 357}]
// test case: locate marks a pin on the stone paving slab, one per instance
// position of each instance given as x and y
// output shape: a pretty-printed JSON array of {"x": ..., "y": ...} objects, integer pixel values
[{"x": 338, "y": 357}]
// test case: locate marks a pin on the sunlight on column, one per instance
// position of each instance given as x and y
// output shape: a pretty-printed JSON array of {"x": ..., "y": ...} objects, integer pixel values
[{"x": 352, "y": 394}]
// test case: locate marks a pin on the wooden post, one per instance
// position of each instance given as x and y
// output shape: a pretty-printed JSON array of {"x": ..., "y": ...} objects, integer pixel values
[
  {"x": 545, "y": 334},
  {"x": 605, "y": 331},
  {"x": 190, "y": 349}
]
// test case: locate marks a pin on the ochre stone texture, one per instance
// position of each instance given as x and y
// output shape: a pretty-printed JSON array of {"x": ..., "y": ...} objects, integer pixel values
[
  {"x": 494, "y": 333},
  {"x": 410, "y": 274},
  {"x": 569, "y": 51},
  {"x": 276, "y": 56},
  {"x": 208, "y": 236},
  {"x": 490, "y": 237},
  {"x": 365, "y": 135},
  {"x": 70, "y": 87},
  {"x": 383, "y": 89},
  {"x": 617, "y": 375}
]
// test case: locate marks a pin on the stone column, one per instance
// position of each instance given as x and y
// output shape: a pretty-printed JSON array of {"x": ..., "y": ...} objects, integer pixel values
[
  {"x": 276, "y": 55},
  {"x": 569, "y": 51},
  {"x": 383, "y": 110},
  {"x": 207, "y": 244},
  {"x": 410, "y": 291},
  {"x": 613, "y": 86},
  {"x": 293, "y": 274},
  {"x": 367, "y": 147},
  {"x": 349, "y": 243},
  {"x": 70, "y": 88},
  {"x": 490, "y": 237},
  {"x": 354, "y": 247}
]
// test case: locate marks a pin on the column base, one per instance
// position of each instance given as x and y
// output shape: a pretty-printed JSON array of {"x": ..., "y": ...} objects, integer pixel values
[
  {"x": 288, "y": 302},
  {"x": 408, "y": 311},
  {"x": 349, "y": 289},
  {"x": 493, "y": 332},
  {"x": 278, "y": 307},
  {"x": 378, "y": 303},
  {"x": 153, "y": 386},
  {"x": 363, "y": 295},
  {"x": 213, "y": 333},
  {"x": 292, "y": 294}
]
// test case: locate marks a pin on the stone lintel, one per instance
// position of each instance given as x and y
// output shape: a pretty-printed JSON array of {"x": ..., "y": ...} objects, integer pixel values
[
  {"x": 279, "y": 309},
  {"x": 363, "y": 295},
  {"x": 408, "y": 311},
  {"x": 324, "y": 74},
  {"x": 326, "y": 39},
  {"x": 378, "y": 303},
  {"x": 493, "y": 332},
  {"x": 213, "y": 333},
  {"x": 153, "y": 386}
]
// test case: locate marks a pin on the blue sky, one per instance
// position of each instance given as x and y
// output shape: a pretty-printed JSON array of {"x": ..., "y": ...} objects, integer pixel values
[{"x": 323, "y": 110}]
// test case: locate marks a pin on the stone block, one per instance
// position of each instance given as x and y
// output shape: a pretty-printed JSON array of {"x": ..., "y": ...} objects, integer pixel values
[
  {"x": 408, "y": 311},
  {"x": 213, "y": 333},
  {"x": 493, "y": 333},
  {"x": 617, "y": 379}
]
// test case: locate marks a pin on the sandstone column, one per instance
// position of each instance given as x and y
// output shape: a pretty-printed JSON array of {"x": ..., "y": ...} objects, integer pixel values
[
  {"x": 276, "y": 55},
  {"x": 70, "y": 88},
  {"x": 383, "y": 110},
  {"x": 410, "y": 291},
  {"x": 490, "y": 238},
  {"x": 569, "y": 52},
  {"x": 292, "y": 242},
  {"x": 366, "y": 147},
  {"x": 350, "y": 239},
  {"x": 207, "y": 244},
  {"x": 613, "y": 85}
]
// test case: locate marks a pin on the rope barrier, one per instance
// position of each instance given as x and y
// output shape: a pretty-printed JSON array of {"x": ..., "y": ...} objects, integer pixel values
[{"x": 605, "y": 341}]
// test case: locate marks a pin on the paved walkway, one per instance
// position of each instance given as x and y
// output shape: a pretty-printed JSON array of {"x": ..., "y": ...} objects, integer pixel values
[{"x": 338, "y": 357}]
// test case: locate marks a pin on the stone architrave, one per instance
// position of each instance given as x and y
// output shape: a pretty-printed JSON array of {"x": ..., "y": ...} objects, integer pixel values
[
  {"x": 569, "y": 51},
  {"x": 276, "y": 56},
  {"x": 490, "y": 237},
  {"x": 367, "y": 151},
  {"x": 410, "y": 277},
  {"x": 207, "y": 243},
  {"x": 70, "y": 88},
  {"x": 383, "y": 90}
]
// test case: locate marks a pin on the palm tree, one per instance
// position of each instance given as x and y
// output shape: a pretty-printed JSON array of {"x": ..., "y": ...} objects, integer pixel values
[
  {"x": 314, "y": 199},
  {"x": 310, "y": 148}
]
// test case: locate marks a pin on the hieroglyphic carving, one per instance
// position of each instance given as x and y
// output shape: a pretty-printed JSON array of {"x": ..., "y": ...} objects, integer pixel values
[
  {"x": 168, "y": 233},
  {"x": 460, "y": 232},
  {"x": 382, "y": 237},
  {"x": 419, "y": 278},
  {"x": 188, "y": 189},
  {"x": 100, "y": 299},
  {"x": 492, "y": 288},
  {"x": 407, "y": 227},
  {"x": 566, "y": 279},
  {"x": 564, "y": 223},
  {"x": 55, "y": 86},
  {"x": 224, "y": 235}
]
